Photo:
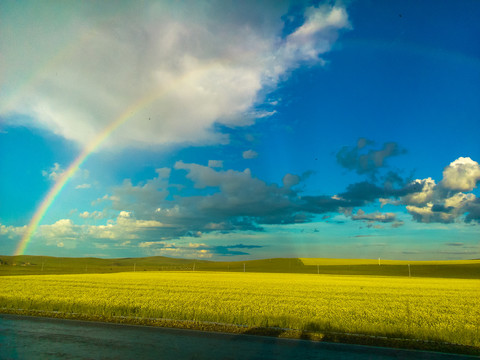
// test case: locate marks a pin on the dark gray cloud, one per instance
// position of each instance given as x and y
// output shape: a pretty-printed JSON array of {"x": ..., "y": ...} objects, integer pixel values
[
  {"x": 426, "y": 215},
  {"x": 238, "y": 201},
  {"x": 228, "y": 250},
  {"x": 363, "y": 159},
  {"x": 473, "y": 209},
  {"x": 376, "y": 216},
  {"x": 365, "y": 192},
  {"x": 442, "y": 208},
  {"x": 323, "y": 204},
  {"x": 198, "y": 249}
]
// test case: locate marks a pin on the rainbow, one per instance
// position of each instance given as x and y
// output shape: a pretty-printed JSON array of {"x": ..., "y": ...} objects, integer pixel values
[{"x": 92, "y": 146}]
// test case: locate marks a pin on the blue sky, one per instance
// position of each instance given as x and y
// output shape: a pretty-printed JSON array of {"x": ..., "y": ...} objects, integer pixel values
[{"x": 309, "y": 129}]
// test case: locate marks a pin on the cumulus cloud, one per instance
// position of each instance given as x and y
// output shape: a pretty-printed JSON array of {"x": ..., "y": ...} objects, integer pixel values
[
  {"x": 226, "y": 201},
  {"x": 443, "y": 202},
  {"x": 143, "y": 198},
  {"x": 428, "y": 214},
  {"x": 177, "y": 68},
  {"x": 447, "y": 209},
  {"x": 249, "y": 154},
  {"x": 63, "y": 233},
  {"x": 12, "y": 232},
  {"x": 122, "y": 231},
  {"x": 462, "y": 174},
  {"x": 422, "y": 197},
  {"x": 237, "y": 201},
  {"x": 240, "y": 194},
  {"x": 426, "y": 200},
  {"x": 447, "y": 201}
]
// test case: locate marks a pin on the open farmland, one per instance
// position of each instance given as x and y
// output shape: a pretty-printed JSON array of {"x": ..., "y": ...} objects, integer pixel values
[
  {"x": 45, "y": 265},
  {"x": 440, "y": 310}
]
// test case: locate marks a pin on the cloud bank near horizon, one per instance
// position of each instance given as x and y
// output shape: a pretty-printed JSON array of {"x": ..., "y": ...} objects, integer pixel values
[{"x": 147, "y": 216}]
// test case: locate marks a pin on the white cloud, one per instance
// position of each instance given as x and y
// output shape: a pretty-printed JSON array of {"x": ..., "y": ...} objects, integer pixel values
[
  {"x": 446, "y": 210},
  {"x": 63, "y": 233},
  {"x": 459, "y": 200},
  {"x": 177, "y": 68},
  {"x": 66, "y": 234},
  {"x": 461, "y": 175},
  {"x": 316, "y": 35},
  {"x": 61, "y": 228},
  {"x": 94, "y": 215},
  {"x": 125, "y": 214},
  {"x": 426, "y": 214},
  {"x": 141, "y": 199},
  {"x": 83, "y": 186},
  {"x": 424, "y": 196},
  {"x": 12, "y": 232},
  {"x": 249, "y": 154},
  {"x": 444, "y": 202},
  {"x": 54, "y": 173}
]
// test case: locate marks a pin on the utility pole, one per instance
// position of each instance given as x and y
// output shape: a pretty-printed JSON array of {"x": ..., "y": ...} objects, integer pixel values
[
  {"x": 409, "y": 273},
  {"x": 42, "y": 265}
]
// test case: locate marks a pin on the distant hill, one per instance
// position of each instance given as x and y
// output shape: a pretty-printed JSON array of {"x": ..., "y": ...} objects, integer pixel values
[{"x": 28, "y": 265}]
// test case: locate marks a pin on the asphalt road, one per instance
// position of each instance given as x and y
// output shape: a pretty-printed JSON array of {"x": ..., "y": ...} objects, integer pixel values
[{"x": 24, "y": 337}]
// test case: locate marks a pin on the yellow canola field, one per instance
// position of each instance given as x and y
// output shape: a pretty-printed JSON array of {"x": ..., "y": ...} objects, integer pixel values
[
  {"x": 331, "y": 261},
  {"x": 420, "y": 308}
]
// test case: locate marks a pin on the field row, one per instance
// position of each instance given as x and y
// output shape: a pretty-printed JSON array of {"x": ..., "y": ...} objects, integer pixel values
[{"x": 419, "y": 308}]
